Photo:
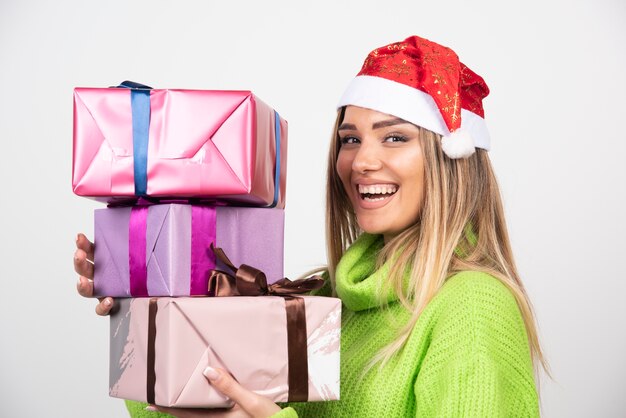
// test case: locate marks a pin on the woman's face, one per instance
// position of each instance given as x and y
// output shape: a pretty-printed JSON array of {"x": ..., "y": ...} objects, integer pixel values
[{"x": 381, "y": 166}]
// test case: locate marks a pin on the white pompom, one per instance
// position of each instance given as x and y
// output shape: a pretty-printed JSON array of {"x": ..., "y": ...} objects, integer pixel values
[{"x": 459, "y": 144}]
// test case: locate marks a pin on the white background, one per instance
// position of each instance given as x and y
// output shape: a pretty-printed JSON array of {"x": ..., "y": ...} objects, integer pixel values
[{"x": 556, "y": 114}]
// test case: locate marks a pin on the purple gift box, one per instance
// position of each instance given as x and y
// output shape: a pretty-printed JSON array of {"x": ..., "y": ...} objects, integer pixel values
[{"x": 164, "y": 250}]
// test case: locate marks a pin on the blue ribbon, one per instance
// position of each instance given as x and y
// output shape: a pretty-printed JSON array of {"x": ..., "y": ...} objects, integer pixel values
[
  {"x": 277, "y": 173},
  {"x": 140, "y": 105}
]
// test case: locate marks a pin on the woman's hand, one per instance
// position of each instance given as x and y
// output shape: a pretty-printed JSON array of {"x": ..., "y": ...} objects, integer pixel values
[
  {"x": 83, "y": 265},
  {"x": 247, "y": 404}
]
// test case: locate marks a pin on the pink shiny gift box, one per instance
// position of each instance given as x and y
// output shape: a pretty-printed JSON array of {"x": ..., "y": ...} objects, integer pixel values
[
  {"x": 206, "y": 144},
  {"x": 245, "y": 335}
]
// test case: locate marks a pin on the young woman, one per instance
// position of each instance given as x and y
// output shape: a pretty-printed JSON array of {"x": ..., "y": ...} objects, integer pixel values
[{"x": 436, "y": 322}]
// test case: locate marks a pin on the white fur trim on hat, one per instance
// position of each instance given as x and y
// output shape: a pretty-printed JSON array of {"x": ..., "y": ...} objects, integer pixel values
[
  {"x": 412, "y": 105},
  {"x": 458, "y": 144}
]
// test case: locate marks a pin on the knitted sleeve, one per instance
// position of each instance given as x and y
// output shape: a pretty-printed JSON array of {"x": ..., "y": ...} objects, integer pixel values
[
  {"x": 137, "y": 410},
  {"x": 286, "y": 413},
  {"x": 478, "y": 363}
]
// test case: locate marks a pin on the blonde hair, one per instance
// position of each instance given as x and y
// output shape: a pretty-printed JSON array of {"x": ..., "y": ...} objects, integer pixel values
[{"x": 461, "y": 227}]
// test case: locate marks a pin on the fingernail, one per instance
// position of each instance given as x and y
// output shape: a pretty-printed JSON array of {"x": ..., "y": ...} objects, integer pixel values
[
  {"x": 211, "y": 373},
  {"x": 107, "y": 302},
  {"x": 150, "y": 408}
]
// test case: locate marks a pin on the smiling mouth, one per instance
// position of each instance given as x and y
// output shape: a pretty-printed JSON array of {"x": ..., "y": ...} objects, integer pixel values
[{"x": 376, "y": 192}]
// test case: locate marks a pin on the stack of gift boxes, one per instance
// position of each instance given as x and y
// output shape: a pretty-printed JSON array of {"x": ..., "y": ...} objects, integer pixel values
[{"x": 191, "y": 247}]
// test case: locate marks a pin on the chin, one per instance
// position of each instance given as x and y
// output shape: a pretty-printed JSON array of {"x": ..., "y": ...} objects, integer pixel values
[{"x": 373, "y": 228}]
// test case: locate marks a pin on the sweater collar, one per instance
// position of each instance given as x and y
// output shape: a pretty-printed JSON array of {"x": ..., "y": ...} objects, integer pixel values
[{"x": 357, "y": 281}]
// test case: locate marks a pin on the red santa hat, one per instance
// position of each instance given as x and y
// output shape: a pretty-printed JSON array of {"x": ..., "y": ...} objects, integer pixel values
[{"x": 424, "y": 83}]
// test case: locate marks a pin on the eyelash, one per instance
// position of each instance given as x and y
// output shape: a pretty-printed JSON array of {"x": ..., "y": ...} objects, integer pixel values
[
  {"x": 400, "y": 138},
  {"x": 345, "y": 139}
]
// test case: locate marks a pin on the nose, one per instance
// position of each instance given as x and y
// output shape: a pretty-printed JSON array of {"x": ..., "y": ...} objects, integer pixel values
[{"x": 366, "y": 159}]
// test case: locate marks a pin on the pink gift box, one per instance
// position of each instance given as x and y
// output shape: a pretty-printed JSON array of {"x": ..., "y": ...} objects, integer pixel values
[
  {"x": 226, "y": 146},
  {"x": 245, "y": 335}
]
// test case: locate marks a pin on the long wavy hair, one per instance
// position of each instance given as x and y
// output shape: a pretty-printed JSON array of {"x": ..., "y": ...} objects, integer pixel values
[{"x": 461, "y": 227}]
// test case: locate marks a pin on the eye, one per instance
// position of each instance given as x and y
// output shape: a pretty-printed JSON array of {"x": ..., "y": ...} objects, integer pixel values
[
  {"x": 395, "y": 138},
  {"x": 347, "y": 140}
]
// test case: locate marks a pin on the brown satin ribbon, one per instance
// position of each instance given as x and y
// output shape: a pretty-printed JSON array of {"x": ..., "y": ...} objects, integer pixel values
[
  {"x": 249, "y": 281},
  {"x": 151, "y": 374}
]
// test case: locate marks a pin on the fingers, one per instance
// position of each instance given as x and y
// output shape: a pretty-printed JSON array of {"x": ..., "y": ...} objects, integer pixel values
[
  {"x": 226, "y": 384},
  {"x": 83, "y": 256},
  {"x": 82, "y": 265},
  {"x": 84, "y": 244},
  {"x": 255, "y": 405},
  {"x": 85, "y": 287},
  {"x": 104, "y": 307},
  {"x": 248, "y": 404}
]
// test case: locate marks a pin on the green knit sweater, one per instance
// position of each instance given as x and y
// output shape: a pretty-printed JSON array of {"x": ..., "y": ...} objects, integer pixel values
[{"x": 467, "y": 356}]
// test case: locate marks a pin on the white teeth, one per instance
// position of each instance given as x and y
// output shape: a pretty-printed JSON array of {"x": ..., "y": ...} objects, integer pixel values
[{"x": 377, "y": 189}]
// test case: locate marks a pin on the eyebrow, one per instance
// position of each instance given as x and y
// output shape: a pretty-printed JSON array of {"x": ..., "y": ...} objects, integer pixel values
[{"x": 377, "y": 125}]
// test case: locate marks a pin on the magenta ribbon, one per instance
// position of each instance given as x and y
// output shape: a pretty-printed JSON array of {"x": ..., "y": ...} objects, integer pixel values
[
  {"x": 203, "y": 230},
  {"x": 203, "y": 233},
  {"x": 138, "y": 267}
]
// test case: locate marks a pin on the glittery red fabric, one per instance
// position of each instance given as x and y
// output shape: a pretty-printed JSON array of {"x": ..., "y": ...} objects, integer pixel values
[{"x": 433, "y": 69}]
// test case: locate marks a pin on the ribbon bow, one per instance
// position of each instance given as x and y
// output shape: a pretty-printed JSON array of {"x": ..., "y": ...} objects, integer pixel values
[{"x": 250, "y": 281}]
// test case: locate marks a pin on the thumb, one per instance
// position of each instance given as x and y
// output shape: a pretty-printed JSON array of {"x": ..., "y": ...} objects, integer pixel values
[
  {"x": 226, "y": 384},
  {"x": 256, "y": 405}
]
